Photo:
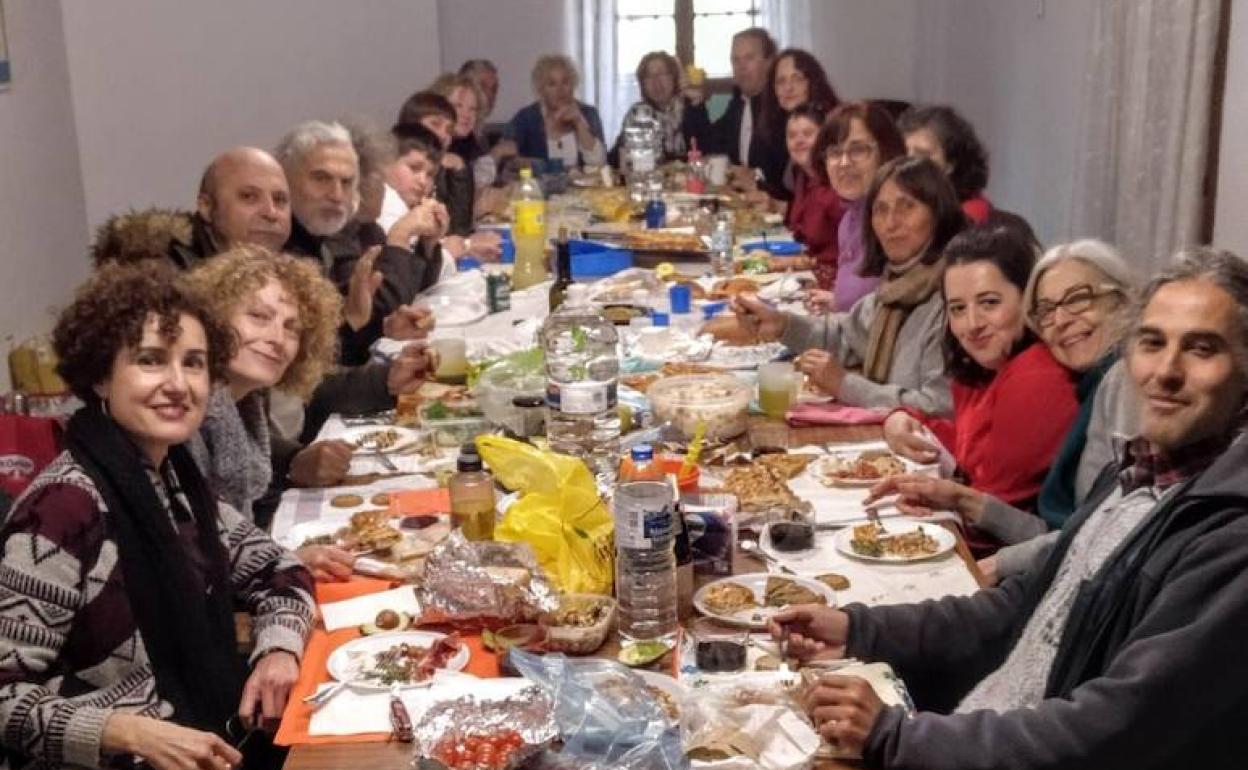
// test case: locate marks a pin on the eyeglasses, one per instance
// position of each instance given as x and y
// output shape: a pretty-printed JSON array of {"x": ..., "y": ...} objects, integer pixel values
[
  {"x": 1075, "y": 301},
  {"x": 856, "y": 152}
]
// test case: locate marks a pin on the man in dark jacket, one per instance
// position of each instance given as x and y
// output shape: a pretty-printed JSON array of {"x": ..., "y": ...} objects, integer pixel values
[
  {"x": 738, "y": 133},
  {"x": 1124, "y": 650}
]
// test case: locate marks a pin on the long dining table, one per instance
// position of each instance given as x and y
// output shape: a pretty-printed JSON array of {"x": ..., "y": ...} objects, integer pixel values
[{"x": 763, "y": 432}]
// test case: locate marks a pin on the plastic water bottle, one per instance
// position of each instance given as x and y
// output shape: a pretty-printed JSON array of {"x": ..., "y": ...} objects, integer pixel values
[
  {"x": 721, "y": 246},
  {"x": 582, "y": 373},
  {"x": 645, "y": 560},
  {"x": 528, "y": 231}
]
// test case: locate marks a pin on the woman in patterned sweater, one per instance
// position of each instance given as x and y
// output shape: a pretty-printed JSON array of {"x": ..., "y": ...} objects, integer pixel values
[{"x": 121, "y": 571}]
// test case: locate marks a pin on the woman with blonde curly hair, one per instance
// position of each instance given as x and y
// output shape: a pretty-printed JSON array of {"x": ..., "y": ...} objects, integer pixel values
[{"x": 285, "y": 318}]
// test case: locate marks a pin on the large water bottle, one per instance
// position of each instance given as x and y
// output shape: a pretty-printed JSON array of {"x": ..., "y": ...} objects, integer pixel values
[
  {"x": 582, "y": 372},
  {"x": 645, "y": 560},
  {"x": 528, "y": 231}
]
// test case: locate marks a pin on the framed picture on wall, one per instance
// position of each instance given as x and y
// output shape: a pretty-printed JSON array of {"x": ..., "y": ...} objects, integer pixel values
[{"x": 5, "y": 72}]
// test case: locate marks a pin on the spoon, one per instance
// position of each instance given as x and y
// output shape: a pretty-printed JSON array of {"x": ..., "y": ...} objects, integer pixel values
[{"x": 752, "y": 547}]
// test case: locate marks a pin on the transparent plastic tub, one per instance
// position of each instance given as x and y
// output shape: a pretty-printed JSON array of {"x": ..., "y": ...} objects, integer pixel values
[{"x": 721, "y": 400}]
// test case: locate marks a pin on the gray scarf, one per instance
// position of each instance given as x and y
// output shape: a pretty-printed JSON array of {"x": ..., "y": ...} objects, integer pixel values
[{"x": 232, "y": 447}]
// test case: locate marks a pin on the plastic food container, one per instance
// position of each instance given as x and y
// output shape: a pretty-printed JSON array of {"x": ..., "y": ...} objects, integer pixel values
[
  {"x": 721, "y": 400},
  {"x": 455, "y": 431},
  {"x": 579, "y": 639}
]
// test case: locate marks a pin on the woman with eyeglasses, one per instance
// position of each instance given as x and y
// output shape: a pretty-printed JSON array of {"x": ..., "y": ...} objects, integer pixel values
[
  {"x": 856, "y": 139},
  {"x": 885, "y": 350},
  {"x": 1001, "y": 373},
  {"x": 1078, "y": 302},
  {"x": 122, "y": 570}
]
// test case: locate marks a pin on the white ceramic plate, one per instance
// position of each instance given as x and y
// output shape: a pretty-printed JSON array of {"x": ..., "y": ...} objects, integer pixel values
[
  {"x": 756, "y": 617},
  {"x": 455, "y": 311},
  {"x": 743, "y": 356},
  {"x": 348, "y": 661},
  {"x": 668, "y": 684},
  {"x": 945, "y": 541},
  {"x": 404, "y": 437},
  {"x": 819, "y": 469}
]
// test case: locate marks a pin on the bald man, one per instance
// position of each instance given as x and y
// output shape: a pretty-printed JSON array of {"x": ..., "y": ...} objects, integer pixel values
[{"x": 244, "y": 198}]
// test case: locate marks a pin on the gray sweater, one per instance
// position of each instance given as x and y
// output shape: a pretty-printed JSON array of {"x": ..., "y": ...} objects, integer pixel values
[
  {"x": 1114, "y": 413},
  {"x": 916, "y": 378}
]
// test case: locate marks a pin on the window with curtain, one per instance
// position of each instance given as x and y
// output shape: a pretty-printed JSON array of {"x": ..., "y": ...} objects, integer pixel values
[{"x": 611, "y": 36}]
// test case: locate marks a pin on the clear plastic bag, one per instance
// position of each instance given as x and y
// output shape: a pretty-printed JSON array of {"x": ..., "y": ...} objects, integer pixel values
[
  {"x": 605, "y": 714},
  {"x": 620, "y": 288},
  {"x": 749, "y": 722}
]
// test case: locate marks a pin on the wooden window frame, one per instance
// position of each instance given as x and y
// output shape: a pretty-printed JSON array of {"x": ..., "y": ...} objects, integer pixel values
[{"x": 683, "y": 16}]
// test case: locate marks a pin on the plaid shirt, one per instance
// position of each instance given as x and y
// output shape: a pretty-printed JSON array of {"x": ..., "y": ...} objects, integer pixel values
[{"x": 1142, "y": 465}]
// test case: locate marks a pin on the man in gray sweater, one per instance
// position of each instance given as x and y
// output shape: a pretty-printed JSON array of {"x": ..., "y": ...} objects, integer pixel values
[{"x": 1123, "y": 650}]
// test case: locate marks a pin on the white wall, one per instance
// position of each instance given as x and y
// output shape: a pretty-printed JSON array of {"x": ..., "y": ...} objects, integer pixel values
[
  {"x": 160, "y": 87},
  {"x": 1014, "y": 70},
  {"x": 42, "y": 218},
  {"x": 867, "y": 48},
  {"x": 511, "y": 33},
  {"x": 1231, "y": 220}
]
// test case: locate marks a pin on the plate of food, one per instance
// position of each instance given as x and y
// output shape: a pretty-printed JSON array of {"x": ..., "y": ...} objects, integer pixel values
[
  {"x": 366, "y": 532},
  {"x": 859, "y": 469},
  {"x": 895, "y": 541},
  {"x": 380, "y": 438},
  {"x": 406, "y": 658},
  {"x": 751, "y": 600},
  {"x": 667, "y": 690}
]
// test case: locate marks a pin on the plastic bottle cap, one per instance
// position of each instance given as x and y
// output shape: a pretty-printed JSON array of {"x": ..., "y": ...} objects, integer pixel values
[
  {"x": 660, "y": 319},
  {"x": 642, "y": 453},
  {"x": 468, "y": 459}
]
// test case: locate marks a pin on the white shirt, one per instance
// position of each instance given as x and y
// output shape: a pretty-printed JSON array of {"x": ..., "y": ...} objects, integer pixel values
[
  {"x": 747, "y": 133},
  {"x": 392, "y": 209}
]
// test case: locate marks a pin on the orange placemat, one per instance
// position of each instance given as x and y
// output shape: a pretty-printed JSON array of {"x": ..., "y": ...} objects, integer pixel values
[
  {"x": 414, "y": 502},
  {"x": 312, "y": 672}
]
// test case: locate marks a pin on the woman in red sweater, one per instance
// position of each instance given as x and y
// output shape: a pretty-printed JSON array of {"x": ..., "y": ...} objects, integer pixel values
[
  {"x": 1013, "y": 402},
  {"x": 815, "y": 212}
]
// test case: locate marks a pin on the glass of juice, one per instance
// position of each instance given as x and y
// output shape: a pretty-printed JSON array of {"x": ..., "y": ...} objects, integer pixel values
[
  {"x": 777, "y": 387},
  {"x": 452, "y": 360}
]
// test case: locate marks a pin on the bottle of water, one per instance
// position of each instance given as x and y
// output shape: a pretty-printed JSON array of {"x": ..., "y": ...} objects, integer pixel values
[
  {"x": 645, "y": 560},
  {"x": 721, "y": 246},
  {"x": 582, "y": 372}
]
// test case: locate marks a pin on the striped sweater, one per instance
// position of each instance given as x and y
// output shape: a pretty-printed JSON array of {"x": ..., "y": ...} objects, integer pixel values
[{"x": 70, "y": 651}]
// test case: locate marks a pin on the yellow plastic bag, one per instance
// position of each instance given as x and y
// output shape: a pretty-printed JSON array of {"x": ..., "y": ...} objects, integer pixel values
[{"x": 559, "y": 513}]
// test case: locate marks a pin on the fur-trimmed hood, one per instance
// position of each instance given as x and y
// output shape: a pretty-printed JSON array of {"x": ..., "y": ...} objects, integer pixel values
[{"x": 153, "y": 233}]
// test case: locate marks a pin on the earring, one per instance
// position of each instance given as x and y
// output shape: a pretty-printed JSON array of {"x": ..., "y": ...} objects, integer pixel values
[{"x": 104, "y": 407}]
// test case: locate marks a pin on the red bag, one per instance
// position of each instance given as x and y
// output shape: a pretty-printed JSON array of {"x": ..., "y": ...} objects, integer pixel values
[{"x": 27, "y": 444}]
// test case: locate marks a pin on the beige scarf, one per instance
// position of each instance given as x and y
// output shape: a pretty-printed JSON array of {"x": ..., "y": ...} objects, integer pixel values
[{"x": 895, "y": 298}]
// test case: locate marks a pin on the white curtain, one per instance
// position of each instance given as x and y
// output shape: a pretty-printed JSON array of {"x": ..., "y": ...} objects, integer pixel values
[
  {"x": 1143, "y": 144},
  {"x": 602, "y": 85},
  {"x": 788, "y": 21}
]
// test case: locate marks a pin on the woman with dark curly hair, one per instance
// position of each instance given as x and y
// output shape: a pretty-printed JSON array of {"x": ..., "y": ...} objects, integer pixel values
[
  {"x": 941, "y": 135},
  {"x": 796, "y": 78},
  {"x": 121, "y": 570}
]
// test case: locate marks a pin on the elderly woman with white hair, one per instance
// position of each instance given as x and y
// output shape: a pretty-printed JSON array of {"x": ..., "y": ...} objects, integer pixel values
[
  {"x": 557, "y": 126},
  {"x": 1078, "y": 301}
]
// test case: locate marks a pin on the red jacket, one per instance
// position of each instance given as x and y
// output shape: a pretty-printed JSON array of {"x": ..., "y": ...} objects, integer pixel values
[
  {"x": 813, "y": 217},
  {"x": 1005, "y": 434}
]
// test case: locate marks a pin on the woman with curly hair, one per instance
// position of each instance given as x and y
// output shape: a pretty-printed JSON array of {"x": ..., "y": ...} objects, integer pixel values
[
  {"x": 941, "y": 135},
  {"x": 122, "y": 571},
  {"x": 284, "y": 316}
]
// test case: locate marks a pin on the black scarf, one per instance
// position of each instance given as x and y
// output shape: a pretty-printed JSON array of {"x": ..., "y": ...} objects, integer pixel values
[{"x": 186, "y": 620}]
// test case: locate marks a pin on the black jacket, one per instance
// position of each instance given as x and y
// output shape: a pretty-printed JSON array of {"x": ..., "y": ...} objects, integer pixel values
[
  {"x": 1149, "y": 673},
  {"x": 767, "y": 154}
]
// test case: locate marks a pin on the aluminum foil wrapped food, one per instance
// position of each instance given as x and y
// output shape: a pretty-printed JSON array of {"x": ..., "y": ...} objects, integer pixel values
[
  {"x": 483, "y": 583},
  {"x": 470, "y": 733}
]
